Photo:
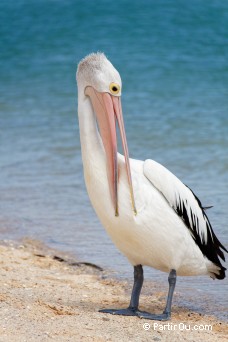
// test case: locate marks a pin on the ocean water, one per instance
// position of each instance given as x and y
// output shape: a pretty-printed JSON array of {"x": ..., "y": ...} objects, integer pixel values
[{"x": 172, "y": 57}]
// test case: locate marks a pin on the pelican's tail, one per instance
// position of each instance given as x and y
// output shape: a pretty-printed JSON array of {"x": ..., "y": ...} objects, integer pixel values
[{"x": 221, "y": 275}]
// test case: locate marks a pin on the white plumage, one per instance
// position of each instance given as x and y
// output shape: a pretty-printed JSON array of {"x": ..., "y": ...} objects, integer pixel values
[
  {"x": 156, "y": 236},
  {"x": 171, "y": 230},
  {"x": 177, "y": 193}
]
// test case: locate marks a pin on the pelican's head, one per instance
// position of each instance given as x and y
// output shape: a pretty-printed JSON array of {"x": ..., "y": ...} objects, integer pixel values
[
  {"x": 96, "y": 71},
  {"x": 101, "y": 83}
]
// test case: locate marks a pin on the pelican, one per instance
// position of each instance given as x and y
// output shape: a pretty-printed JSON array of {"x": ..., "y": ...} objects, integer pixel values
[{"x": 151, "y": 216}]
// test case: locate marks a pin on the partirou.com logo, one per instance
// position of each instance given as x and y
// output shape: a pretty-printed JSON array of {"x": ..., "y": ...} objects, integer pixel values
[{"x": 179, "y": 326}]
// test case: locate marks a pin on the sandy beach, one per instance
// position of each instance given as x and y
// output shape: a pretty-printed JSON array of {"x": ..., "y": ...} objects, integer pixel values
[{"x": 46, "y": 295}]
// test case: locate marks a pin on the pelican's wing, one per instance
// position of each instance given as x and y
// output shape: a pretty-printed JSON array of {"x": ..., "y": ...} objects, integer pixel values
[{"x": 188, "y": 207}]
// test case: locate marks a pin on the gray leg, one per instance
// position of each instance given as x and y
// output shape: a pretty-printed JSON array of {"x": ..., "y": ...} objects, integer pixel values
[
  {"x": 172, "y": 282},
  {"x": 134, "y": 303},
  {"x": 167, "y": 312},
  {"x": 138, "y": 283},
  {"x": 133, "y": 310}
]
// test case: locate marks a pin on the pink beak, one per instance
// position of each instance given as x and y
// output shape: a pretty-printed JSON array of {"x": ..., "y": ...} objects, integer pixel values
[{"x": 108, "y": 110}]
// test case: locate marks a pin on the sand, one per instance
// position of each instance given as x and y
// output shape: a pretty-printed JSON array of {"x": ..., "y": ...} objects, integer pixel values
[{"x": 45, "y": 295}]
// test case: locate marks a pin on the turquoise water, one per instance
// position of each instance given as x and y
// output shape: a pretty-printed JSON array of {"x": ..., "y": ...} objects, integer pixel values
[{"x": 172, "y": 57}]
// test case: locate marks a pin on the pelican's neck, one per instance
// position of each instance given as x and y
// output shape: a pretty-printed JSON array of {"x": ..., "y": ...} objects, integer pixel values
[{"x": 91, "y": 144}]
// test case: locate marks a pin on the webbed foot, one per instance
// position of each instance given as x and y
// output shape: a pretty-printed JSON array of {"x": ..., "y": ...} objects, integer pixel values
[
  {"x": 134, "y": 312},
  {"x": 124, "y": 312},
  {"x": 161, "y": 317}
]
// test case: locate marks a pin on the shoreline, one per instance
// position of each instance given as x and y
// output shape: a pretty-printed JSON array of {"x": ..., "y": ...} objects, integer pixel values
[{"x": 46, "y": 294}]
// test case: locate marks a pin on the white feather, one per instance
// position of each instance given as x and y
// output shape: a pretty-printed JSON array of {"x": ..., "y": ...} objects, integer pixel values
[
  {"x": 157, "y": 236},
  {"x": 176, "y": 194}
]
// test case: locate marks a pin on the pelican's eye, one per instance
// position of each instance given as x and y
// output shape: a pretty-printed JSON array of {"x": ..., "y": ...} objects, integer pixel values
[{"x": 114, "y": 88}]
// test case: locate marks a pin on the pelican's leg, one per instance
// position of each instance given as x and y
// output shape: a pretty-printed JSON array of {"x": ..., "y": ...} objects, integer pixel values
[
  {"x": 132, "y": 310},
  {"x": 167, "y": 312}
]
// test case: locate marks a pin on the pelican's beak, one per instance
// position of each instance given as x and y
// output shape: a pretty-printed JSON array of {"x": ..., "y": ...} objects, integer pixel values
[{"x": 108, "y": 110}]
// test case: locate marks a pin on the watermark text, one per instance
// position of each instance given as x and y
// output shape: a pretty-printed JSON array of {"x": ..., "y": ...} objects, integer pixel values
[{"x": 179, "y": 326}]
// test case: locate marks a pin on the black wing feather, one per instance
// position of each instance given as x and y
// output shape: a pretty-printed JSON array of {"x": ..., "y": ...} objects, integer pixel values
[
  {"x": 210, "y": 248},
  {"x": 189, "y": 208}
]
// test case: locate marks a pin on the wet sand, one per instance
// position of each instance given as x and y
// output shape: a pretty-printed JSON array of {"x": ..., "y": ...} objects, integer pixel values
[{"x": 47, "y": 295}]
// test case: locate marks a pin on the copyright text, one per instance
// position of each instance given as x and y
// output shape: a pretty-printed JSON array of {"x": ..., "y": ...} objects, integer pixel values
[{"x": 179, "y": 326}]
